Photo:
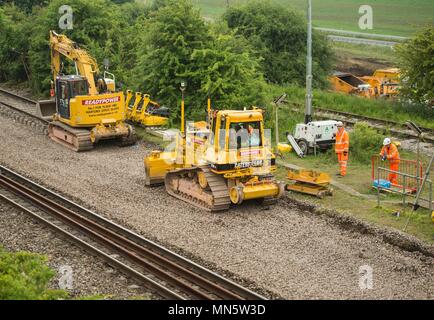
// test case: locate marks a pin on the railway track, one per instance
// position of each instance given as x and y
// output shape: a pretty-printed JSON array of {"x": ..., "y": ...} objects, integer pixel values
[
  {"x": 22, "y": 110},
  {"x": 164, "y": 272},
  {"x": 394, "y": 127}
]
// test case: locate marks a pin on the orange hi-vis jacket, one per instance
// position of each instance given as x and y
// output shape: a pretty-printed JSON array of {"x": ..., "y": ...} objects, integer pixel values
[
  {"x": 342, "y": 141},
  {"x": 392, "y": 153}
]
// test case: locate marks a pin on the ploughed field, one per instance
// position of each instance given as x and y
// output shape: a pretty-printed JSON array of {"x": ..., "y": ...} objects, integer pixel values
[{"x": 289, "y": 251}]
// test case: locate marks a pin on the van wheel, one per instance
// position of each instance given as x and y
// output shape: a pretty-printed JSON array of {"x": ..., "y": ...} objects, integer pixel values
[{"x": 303, "y": 146}]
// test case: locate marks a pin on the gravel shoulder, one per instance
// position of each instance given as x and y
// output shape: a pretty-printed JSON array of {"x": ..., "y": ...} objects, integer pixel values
[{"x": 290, "y": 250}]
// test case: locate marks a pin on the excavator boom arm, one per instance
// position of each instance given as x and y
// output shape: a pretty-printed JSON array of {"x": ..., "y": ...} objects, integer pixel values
[{"x": 85, "y": 64}]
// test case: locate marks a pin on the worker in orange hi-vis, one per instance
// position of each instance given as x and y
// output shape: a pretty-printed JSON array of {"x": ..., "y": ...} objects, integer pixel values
[
  {"x": 342, "y": 147},
  {"x": 390, "y": 152}
]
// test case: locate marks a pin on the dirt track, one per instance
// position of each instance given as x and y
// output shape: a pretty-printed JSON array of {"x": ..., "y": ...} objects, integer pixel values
[{"x": 288, "y": 250}]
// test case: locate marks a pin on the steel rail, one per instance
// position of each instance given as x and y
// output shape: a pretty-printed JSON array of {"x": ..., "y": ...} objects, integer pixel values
[
  {"x": 24, "y": 112},
  {"x": 165, "y": 292},
  {"x": 17, "y": 96},
  {"x": 149, "y": 255},
  {"x": 388, "y": 122}
]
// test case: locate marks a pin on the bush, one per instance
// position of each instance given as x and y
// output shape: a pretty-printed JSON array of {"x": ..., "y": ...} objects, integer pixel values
[
  {"x": 417, "y": 67},
  {"x": 179, "y": 45},
  {"x": 364, "y": 142},
  {"x": 14, "y": 35},
  {"x": 96, "y": 29},
  {"x": 279, "y": 34},
  {"x": 25, "y": 276}
]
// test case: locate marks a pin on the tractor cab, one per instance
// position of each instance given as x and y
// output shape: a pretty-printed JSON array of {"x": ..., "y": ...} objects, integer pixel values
[{"x": 238, "y": 141}]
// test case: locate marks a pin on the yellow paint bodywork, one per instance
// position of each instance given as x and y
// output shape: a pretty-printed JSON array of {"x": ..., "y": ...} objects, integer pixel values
[
  {"x": 157, "y": 164},
  {"x": 197, "y": 150},
  {"x": 89, "y": 111},
  {"x": 141, "y": 115}
]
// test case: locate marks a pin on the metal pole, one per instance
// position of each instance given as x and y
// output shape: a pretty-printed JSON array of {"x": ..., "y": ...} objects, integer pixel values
[
  {"x": 378, "y": 187},
  {"x": 276, "y": 124},
  {"x": 308, "y": 111},
  {"x": 418, "y": 163},
  {"x": 430, "y": 198},
  {"x": 416, "y": 202},
  {"x": 404, "y": 191}
]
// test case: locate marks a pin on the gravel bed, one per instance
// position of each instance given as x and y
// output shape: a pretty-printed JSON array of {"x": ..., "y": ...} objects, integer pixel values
[
  {"x": 90, "y": 275},
  {"x": 289, "y": 251}
]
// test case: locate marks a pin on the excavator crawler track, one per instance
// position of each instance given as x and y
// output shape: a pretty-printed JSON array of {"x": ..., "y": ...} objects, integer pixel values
[
  {"x": 183, "y": 184},
  {"x": 129, "y": 140},
  {"x": 73, "y": 138}
]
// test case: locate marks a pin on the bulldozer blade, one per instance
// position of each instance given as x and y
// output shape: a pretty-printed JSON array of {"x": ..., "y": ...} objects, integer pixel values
[{"x": 45, "y": 109}]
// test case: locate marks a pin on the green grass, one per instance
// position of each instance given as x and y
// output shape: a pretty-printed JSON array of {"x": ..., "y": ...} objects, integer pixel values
[
  {"x": 359, "y": 178},
  {"x": 346, "y": 51},
  {"x": 377, "y": 108},
  {"x": 391, "y": 17}
]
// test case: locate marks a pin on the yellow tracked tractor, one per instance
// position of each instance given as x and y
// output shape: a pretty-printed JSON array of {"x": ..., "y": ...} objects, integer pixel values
[
  {"x": 145, "y": 112},
  {"x": 229, "y": 162},
  {"x": 86, "y": 108}
]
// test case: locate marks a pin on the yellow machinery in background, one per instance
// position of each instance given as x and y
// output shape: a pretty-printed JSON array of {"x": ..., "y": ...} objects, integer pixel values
[
  {"x": 145, "y": 112},
  {"x": 86, "y": 107},
  {"x": 384, "y": 82},
  {"x": 309, "y": 182},
  {"x": 230, "y": 164},
  {"x": 350, "y": 84}
]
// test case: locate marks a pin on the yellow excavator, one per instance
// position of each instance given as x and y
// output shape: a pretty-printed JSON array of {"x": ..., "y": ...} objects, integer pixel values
[
  {"x": 145, "y": 112},
  {"x": 86, "y": 107},
  {"x": 228, "y": 163}
]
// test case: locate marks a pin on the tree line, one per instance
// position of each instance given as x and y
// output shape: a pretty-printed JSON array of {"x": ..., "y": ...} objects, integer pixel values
[{"x": 153, "y": 47}]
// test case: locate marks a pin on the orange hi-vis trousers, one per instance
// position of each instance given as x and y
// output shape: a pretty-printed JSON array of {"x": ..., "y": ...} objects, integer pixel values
[
  {"x": 393, "y": 177},
  {"x": 343, "y": 162},
  {"x": 392, "y": 154}
]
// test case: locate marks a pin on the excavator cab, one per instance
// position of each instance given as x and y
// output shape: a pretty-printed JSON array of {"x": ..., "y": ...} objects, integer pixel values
[{"x": 67, "y": 88}]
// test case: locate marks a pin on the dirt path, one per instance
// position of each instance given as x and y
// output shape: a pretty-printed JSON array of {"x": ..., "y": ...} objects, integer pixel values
[{"x": 288, "y": 250}]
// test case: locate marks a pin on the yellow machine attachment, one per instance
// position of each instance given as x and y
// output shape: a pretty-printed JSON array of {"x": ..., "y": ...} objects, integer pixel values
[
  {"x": 145, "y": 112},
  {"x": 385, "y": 82},
  {"x": 284, "y": 148},
  {"x": 86, "y": 108},
  {"x": 211, "y": 168},
  {"x": 350, "y": 84},
  {"x": 309, "y": 182}
]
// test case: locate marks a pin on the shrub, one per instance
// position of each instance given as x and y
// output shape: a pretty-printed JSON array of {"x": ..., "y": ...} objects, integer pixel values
[
  {"x": 364, "y": 142},
  {"x": 25, "y": 276},
  {"x": 417, "y": 67},
  {"x": 278, "y": 34},
  {"x": 178, "y": 45}
]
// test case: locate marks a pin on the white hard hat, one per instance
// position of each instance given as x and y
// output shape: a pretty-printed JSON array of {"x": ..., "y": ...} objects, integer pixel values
[
  {"x": 386, "y": 142},
  {"x": 339, "y": 124}
]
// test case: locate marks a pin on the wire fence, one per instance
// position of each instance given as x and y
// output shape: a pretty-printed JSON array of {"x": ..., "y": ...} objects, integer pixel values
[
  {"x": 426, "y": 197},
  {"x": 408, "y": 175}
]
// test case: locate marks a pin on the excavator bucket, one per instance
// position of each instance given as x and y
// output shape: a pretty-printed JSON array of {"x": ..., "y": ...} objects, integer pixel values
[{"x": 46, "y": 109}]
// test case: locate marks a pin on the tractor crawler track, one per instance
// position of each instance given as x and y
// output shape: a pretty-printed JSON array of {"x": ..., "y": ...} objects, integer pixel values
[
  {"x": 164, "y": 272},
  {"x": 217, "y": 185}
]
